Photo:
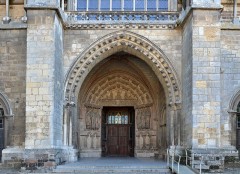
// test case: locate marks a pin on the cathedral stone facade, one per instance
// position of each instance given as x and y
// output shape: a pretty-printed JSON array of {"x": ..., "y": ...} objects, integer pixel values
[{"x": 93, "y": 83}]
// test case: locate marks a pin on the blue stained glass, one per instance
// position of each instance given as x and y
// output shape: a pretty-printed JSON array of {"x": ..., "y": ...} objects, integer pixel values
[
  {"x": 81, "y": 5},
  {"x": 151, "y": 5},
  {"x": 126, "y": 119},
  {"x": 119, "y": 119},
  {"x": 139, "y": 5},
  {"x": 163, "y": 5},
  {"x": 116, "y": 5},
  {"x": 128, "y": 5},
  {"x": 116, "y": 119},
  {"x": 109, "y": 119},
  {"x": 105, "y": 5},
  {"x": 92, "y": 5},
  {"x": 122, "y": 121}
]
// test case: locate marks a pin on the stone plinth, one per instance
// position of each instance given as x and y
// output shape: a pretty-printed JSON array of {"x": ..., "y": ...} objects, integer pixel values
[{"x": 91, "y": 153}]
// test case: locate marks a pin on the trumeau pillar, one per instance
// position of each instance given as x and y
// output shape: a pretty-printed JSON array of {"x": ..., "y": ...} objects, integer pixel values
[{"x": 44, "y": 76}]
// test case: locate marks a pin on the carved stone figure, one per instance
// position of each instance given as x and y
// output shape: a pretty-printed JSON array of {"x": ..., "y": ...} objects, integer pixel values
[
  {"x": 147, "y": 141},
  {"x": 140, "y": 142},
  {"x": 95, "y": 141},
  {"x": 143, "y": 118},
  {"x": 92, "y": 119},
  {"x": 89, "y": 141}
]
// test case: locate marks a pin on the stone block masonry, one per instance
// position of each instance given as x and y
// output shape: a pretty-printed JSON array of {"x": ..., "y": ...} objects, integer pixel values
[
  {"x": 44, "y": 80},
  {"x": 13, "y": 82},
  {"x": 206, "y": 79}
]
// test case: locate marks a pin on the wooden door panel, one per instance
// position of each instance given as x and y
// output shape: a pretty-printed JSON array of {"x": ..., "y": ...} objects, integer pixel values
[{"x": 118, "y": 141}]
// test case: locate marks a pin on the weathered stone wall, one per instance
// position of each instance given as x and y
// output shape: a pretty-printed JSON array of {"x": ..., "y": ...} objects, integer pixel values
[
  {"x": 15, "y": 12},
  {"x": 55, "y": 3},
  {"x": 227, "y": 13},
  {"x": 206, "y": 79},
  {"x": 230, "y": 83},
  {"x": 44, "y": 80},
  {"x": 58, "y": 83},
  {"x": 187, "y": 47},
  {"x": 13, "y": 81}
]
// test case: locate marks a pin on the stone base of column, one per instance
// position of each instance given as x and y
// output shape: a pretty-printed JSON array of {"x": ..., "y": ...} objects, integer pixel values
[
  {"x": 212, "y": 159},
  {"x": 85, "y": 153},
  {"x": 145, "y": 153},
  {"x": 16, "y": 157}
]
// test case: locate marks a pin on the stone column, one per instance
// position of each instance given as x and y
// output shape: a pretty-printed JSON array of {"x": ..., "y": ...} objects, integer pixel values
[
  {"x": 177, "y": 124},
  {"x": 171, "y": 124},
  {"x": 44, "y": 77}
]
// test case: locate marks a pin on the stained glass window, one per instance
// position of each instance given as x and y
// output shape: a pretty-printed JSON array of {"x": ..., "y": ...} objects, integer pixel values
[
  {"x": 163, "y": 5},
  {"x": 151, "y": 5},
  {"x": 139, "y": 5},
  {"x": 116, "y": 5},
  {"x": 82, "y": 5},
  {"x": 105, "y": 5},
  {"x": 117, "y": 118},
  {"x": 128, "y": 5},
  {"x": 92, "y": 5}
]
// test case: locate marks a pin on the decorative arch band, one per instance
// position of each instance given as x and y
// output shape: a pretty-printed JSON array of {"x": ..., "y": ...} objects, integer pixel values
[{"x": 133, "y": 44}]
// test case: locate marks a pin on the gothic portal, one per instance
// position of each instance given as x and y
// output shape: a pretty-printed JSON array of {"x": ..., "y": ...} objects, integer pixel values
[
  {"x": 91, "y": 78},
  {"x": 120, "y": 86}
]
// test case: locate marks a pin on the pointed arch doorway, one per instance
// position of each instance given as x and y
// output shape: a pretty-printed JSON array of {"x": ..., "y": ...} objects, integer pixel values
[
  {"x": 141, "y": 76},
  {"x": 119, "y": 109}
]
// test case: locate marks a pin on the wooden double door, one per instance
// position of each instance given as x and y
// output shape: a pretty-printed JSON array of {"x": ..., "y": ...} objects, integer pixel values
[{"x": 118, "y": 131}]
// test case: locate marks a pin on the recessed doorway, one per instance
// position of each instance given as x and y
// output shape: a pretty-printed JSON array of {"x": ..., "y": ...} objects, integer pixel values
[{"x": 118, "y": 131}]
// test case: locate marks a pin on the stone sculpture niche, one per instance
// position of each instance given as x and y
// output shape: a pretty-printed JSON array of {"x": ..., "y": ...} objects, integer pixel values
[
  {"x": 143, "y": 118},
  {"x": 93, "y": 118}
]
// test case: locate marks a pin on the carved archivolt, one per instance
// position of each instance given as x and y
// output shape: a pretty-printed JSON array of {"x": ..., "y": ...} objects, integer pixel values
[
  {"x": 118, "y": 86},
  {"x": 133, "y": 44}
]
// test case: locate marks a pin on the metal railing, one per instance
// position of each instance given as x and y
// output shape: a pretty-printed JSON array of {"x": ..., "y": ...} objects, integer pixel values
[
  {"x": 78, "y": 17},
  {"x": 190, "y": 159},
  {"x": 174, "y": 158}
]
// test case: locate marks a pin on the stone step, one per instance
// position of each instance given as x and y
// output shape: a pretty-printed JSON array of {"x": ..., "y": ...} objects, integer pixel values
[
  {"x": 111, "y": 169},
  {"x": 203, "y": 166}
]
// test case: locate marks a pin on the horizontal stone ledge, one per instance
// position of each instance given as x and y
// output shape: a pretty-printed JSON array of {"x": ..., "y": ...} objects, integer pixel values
[{"x": 13, "y": 25}]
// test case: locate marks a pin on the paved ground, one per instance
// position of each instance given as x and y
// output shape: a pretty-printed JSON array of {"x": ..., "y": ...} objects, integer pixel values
[
  {"x": 117, "y": 162},
  {"x": 120, "y": 162}
]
